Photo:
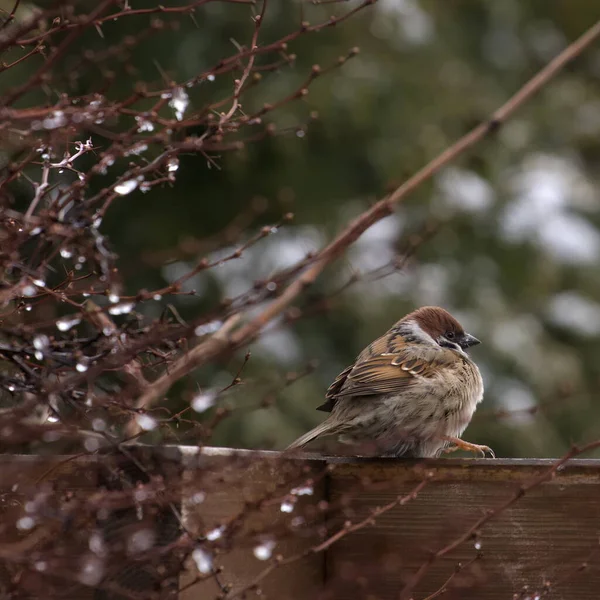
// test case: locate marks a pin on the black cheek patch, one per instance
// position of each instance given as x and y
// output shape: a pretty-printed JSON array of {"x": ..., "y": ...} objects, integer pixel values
[{"x": 444, "y": 343}]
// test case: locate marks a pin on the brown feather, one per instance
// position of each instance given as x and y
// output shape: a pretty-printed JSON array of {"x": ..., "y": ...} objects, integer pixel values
[
  {"x": 410, "y": 392},
  {"x": 391, "y": 373},
  {"x": 390, "y": 364},
  {"x": 386, "y": 366},
  {"x": 434, "y": 320}
]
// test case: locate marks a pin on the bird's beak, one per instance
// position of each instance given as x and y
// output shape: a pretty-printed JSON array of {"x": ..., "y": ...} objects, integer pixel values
[{"x": 468, "y": 340}]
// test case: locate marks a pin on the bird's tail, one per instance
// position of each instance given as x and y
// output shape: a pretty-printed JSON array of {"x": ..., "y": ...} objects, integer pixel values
[{"x": 325, "y": 428}]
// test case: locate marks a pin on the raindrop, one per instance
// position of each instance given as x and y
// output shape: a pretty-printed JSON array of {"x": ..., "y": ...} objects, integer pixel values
[
  {"x": 55, "y": 121},
  {"x": 91, "y": 444},
  {"x": 215, "y": 534},
  {"x": 264, "y": 551},
  {"x": 157, "y": 297},
  {"x": 141, "y": 495},
  {"x": 92, "y": 571},
  {"x": 41, "y": 342},
  {"x": 81, "y": 367},
  {"x": 203, "y": 401},
  {"x": 126, "y": 187},
  {"x": 140, "y": 541},
  {"x": 210, "y": 77},
  {"x": 146, "y": 422},
  {"x": 477, "y": 545},
  {"x": 41, "y": 565},
  {"x": 179, "y": 102},
  {"x": 137, "y": 149},
  {"x": 113, "y": 298},
  {"x": 67, "y": 323},
  {"x": 144, "y": 124},
  {"x": 25, "y": 523},
  {"x": 65, "y": 253},
  {"x": 39, "y": 282},
  {"x": 286, "y": 506},
  {"x": 203, "y": 560},
  {"x": 209, "y": 327},
  {"x": 98, "y": 424},
  {"x": 198, "y": 498},
  {"x": 29, "y": 290},
  {"x": 306, "y": 490},
  {"x": 122, "y": 309},
  {"x": 96, "y": 544}
]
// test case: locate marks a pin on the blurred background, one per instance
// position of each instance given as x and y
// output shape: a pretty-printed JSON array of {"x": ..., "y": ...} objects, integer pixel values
[{"x": 516, "y": 247}]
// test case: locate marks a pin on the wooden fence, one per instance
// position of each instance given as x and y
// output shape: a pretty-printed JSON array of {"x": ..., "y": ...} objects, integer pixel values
[{"x": 360, "y": 528}]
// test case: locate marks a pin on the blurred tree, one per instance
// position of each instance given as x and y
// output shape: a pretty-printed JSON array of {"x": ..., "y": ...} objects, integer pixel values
[{"x": 519, "y": 242}]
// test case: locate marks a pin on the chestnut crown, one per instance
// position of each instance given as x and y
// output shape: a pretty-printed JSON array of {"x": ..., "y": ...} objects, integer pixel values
[{"x": 442, "y": 327}]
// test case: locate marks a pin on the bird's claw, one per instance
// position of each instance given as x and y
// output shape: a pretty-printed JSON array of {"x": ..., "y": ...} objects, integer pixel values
[
  {"x": 469, "y": 447},
  {"x": 483, "y": 450}
]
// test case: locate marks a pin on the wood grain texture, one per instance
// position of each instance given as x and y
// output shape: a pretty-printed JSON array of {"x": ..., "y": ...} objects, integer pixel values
[
  {"x": 545, "y": 544},
  {"x": 543, "y": 538},
  {"x": 244, "y": 483},
  {"x": 21, "y": 478}
]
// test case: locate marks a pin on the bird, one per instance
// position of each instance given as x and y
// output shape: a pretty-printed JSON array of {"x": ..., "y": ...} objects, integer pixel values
[{"x": 410, "y": 393}]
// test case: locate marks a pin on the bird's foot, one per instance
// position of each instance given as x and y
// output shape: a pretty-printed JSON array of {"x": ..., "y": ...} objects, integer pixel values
[{"x": 459, "y": 444}]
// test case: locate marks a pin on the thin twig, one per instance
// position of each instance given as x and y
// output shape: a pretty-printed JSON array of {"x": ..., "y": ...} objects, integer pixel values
[
  {"x": 216, "y": 344},
  {"x": 208, "y": 350},
  {"x": 547, "y": 475}
]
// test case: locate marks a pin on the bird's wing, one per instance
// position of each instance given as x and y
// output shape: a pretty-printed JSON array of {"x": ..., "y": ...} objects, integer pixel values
[{"x": 387, "y": 366}]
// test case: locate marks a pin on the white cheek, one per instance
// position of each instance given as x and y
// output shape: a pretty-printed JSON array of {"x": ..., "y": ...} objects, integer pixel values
[{"x": 420, "y": 334}]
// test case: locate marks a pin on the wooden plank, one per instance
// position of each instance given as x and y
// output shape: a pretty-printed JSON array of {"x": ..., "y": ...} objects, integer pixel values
[
  {"x": 48, "y": 558},
  {"x": 533, "y": 549},
  {"x": 24, "y": 479},
  {"x": 546, "y": 543},
  {"x": 536, "y": 546},
  {"x": 244, "y": 492},
  {"x": 144, "y": 574}
]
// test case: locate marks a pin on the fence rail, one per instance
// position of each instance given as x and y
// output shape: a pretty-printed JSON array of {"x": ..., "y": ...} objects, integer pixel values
[{"x": 352, "y": 528}]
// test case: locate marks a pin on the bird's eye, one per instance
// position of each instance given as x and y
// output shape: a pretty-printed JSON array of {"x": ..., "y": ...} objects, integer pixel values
[{"x": 450, "y": 335}]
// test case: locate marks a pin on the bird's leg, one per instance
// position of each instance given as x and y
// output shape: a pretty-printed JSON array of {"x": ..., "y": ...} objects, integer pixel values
[{"x": 467, "y": 446}]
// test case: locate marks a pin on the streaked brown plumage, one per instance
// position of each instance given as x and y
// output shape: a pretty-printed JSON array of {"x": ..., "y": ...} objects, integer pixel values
[{"x": 412, "y": 392}]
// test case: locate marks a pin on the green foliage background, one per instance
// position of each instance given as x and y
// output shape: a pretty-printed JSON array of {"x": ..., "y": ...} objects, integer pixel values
[{"x": 517, "y": 255}]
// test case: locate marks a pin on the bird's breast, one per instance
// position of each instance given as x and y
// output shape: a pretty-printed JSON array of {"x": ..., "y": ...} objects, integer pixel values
[{"x": 464, "y": 393}]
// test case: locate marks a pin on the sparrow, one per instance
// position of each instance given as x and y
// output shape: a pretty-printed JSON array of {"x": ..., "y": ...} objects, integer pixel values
[{"x": 410, "y": 393}]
